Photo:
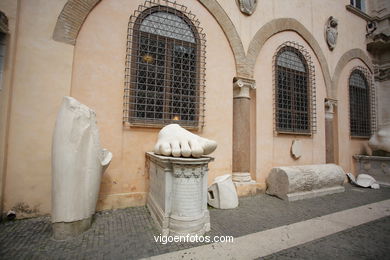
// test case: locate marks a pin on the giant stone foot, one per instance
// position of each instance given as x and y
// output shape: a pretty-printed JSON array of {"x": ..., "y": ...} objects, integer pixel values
[{"x": 173, "y": 140}]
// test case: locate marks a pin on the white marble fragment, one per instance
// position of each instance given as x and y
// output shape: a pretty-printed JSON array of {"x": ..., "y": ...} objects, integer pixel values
[
  {"x": 173, "y": 140},
  {"x": 78, "y": 162},
  {"x": 222, "y": 193},
  {"x": 363, "y": 180},
  {"x": 381, "y": 139},
  {"x": 296, "y": 149},
  {"x": 306, "y": 181}
]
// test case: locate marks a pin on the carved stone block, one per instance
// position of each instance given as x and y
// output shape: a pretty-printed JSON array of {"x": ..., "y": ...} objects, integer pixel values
[
  {"x": 376, "y": 166},
  {"x": 302, "y": 182},
  {"x": 177, "y": 197},
  {"x": 222, "y": 193}
]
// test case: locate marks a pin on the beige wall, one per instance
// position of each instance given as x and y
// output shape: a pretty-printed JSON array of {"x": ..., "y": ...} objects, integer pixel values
[
  {"x": 272, "y": 149},
  {"x": 93, "y": 72},
  {"x": 312, "y": 14},
  {"x": 41, "y": 78},
  {"x": 98, "y": 81},
  {"x": 9, "y": 8},
  {"x": 348, "y": 146}
]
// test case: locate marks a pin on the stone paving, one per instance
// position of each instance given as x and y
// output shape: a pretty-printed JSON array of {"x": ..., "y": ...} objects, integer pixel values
[
  {"x": 368, "y": 241},
  {"x": 128, "y": 233}
]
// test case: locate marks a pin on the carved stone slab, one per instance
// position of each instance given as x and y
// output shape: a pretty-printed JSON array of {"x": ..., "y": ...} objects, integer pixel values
[
  {"x": 247, "y": 7},
  {"x": 307, "y": 181},
  {"x": 376, "y": 166},
  {"x": 331, "y": 32},
  {"x": 177, "y": 197}
]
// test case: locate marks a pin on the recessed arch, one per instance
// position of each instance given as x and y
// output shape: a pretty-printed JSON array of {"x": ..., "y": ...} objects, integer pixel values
[
  {"x": 71, "y": 19},
  {"x": 75, "y": 12},
  {"x": 281, "y": 25},
  {"x": 343, "y": 61}
]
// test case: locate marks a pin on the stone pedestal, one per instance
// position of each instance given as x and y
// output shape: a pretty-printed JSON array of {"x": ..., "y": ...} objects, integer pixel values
[
  {"x": 376, "y": 166},
  {"x": 307, "y": 181},
  {"x": 177, "y": 197}
]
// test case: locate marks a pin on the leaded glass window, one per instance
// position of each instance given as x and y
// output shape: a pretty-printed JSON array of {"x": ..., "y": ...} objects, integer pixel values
[
  {"x": 166, "y": 81},
  {"x": 359, "y": 104}
]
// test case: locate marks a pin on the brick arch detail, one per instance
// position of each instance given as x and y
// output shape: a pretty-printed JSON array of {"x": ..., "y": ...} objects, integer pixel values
[
  {"x": 343, "y": 61},
  {"x": 280, "y": 25}
]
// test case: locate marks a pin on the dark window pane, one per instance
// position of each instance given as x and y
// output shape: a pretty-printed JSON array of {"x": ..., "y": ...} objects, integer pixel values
[
  {"x": 166, "y": 60},
  {"x": 292, "y": 100},
  {"x": 359, "y": 103}
]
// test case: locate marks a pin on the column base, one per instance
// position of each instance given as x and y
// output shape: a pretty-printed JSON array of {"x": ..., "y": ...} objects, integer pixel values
[
  {"x": 245, "y": 186},
  {"x": 67, "y": 230}
]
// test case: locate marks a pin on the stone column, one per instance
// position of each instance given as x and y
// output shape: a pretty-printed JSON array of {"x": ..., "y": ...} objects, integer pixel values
[
  {"x": 241, "y": 136},
  {"x": 330, "y": 134}
]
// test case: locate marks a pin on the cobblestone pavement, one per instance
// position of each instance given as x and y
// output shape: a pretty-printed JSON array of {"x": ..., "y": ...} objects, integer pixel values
[
  {"x": 128, "y": 233},
  {"x": 368, "y": 241}
]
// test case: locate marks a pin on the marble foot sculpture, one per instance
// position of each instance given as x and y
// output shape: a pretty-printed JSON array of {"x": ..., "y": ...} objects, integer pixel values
[
  {"x": 381, "y": 139},
  {"x": 78, "y": 162},
  {"x": 173, "y": 140}
]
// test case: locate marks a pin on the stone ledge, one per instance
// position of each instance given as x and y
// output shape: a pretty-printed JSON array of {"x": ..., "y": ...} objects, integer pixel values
[{"x": 313, "y": 193}]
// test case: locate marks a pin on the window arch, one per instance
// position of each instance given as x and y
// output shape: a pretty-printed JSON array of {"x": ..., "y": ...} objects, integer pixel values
[
  {"x": 361, "y": 103},
  {"x": 165, "y": 68},
  {"x": 294, "y": 90}
]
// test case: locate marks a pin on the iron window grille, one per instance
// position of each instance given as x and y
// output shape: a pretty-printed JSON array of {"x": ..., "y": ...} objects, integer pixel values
[
  {"x": 362, "y": 103},
  {"x": 165, "y": 67},
  {"x": 294, "y": 90}
]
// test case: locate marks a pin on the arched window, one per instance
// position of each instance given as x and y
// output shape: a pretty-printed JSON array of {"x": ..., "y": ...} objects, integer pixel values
[
  {"x": 359, "y": 104},
  {"x": 165, "y": 69},
  {"x": 293, "y": 91}
]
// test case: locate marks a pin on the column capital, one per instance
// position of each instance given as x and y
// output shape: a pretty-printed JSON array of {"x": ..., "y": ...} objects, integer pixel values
[{"x": 241, "y": 87}]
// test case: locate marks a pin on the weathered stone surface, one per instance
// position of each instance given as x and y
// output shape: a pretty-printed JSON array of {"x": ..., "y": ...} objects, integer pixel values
[
  {"x": 78, "y": 162},
  {"x": 301, "y": 182},
  {"x": 363, "y": 180},
  {"x": 381, "y": 139},
  {"x": 249, "y": 189},
  {"x": 173, "y": 140},
  {"x": 222, "y": 193},
  {"x": 296, "y": 149},
  {"x": 331, "y": 32},
  {"x": 66, "y": 230},
  {"x": 178, "y": 194},
  {"x": 376, "y": 166}
]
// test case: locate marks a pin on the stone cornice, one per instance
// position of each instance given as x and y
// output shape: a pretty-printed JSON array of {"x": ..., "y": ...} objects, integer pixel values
[{"x": 358, "y": 12}]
